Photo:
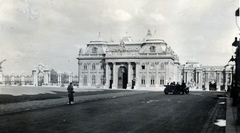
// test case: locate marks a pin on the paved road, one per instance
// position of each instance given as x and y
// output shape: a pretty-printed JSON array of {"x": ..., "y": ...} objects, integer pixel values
[{"x": 149, "y": 112}]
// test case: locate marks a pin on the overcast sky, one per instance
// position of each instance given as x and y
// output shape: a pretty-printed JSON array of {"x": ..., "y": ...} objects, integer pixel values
[{"x": 52, "y": 31}]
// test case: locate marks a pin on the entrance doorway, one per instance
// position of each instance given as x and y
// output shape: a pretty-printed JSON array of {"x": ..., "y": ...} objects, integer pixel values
[
  {"x": 212, "y": 85},
  {"x": 122, "y": 77},
  {"x": 40, "y": 79}
]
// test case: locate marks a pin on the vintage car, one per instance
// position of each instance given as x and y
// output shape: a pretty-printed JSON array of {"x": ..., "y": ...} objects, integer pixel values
[{"x": 175, "y": 89}]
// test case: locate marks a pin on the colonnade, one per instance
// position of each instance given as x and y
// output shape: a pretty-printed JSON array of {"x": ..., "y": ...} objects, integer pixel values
[{"x": 134, "y": 74}]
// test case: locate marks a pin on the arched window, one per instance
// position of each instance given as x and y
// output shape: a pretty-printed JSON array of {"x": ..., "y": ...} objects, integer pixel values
[
  {"x": 143, "y": 66},
  {"x": 152, "y": 49},
  {"x": 93, "y": 66},
  {"x": 85, "y": 79},
  {"x": 162, "y": 80},
  {"x": 152, "y": 66},
  {"x": 93, "y": 79},
  {"x": 143, "y": 80},
  {"x": 85, "y": 66},
  {"x": 152, "y": 79},
  {"x": 94, "y": 50},
  {"x": 162, "y": 66}
]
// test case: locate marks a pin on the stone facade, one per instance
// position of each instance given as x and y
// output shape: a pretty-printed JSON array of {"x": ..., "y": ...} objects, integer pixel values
[
  {"x": 199, "y": 77},
  {"x": 128, "y": 64},
  {"x": 41, "y": 75},
  {"x": 144, "y": 65}
]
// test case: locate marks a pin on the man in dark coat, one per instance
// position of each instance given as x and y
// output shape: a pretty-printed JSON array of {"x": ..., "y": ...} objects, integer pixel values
[
  {"x": 70, "y": 94},
  {"x": 183, "y": 87}
]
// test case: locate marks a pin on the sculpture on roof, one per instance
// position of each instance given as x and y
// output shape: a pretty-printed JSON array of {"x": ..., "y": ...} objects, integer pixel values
[
  {"x": 176, "y": 57},
  {"x": 40, "y": 67},
  {"x": 1, "y": 64},
  {"x": 169, "y": 50},
  {"x": 122, "y": 44},
  {"x": 80, "y": 51},
  {"x": 121, "y": 48}
]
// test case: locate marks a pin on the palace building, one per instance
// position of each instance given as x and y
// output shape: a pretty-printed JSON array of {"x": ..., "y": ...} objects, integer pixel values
[
  {"x": 128, "y": 64},
  {"x": 149, "y": 64}
]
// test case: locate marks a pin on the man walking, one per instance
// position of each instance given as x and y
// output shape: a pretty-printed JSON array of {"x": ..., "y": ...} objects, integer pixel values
[{"x": 70, "y": 94}]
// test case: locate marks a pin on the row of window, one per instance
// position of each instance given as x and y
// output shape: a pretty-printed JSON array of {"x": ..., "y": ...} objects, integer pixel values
[
  {"x": 93, "y": 66},
  {"x": 93, "y": 80},
  {"x": 162, "y": 67},
  {"x": 152, "y": 80},
  {"x": 152, "y": 49}
]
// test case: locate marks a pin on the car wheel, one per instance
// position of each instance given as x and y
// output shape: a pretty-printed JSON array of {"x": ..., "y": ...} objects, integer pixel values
[{"x": 165, "y": 92}]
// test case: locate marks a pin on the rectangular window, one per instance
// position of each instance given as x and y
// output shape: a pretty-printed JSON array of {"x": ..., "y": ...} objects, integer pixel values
[
  {"x": 85, "y": 80},
  {"x": 162, "y": 82},
  {"x": 152, "y": 81},
  {"x": 93, "y": 80}
]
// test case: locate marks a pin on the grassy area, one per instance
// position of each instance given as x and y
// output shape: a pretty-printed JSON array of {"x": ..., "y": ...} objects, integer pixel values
[{"x": 58, "y": 94}]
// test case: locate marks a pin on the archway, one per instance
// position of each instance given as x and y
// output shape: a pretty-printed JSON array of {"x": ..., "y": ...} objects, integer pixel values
[
  {"x": 40, "y": 79},
  {"x": 122, "y": 77},
  {"x": 212, "y": 85}
]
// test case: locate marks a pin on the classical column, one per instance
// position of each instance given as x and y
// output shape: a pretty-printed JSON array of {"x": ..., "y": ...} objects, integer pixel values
[
  {"x": 80, "y": 83},
  {"x": 218, "y": 83},
  {"x": 167, "y": 73},
  {"x": 107, "y": 76},
  {"x": 22, "y": 80},
  {"x": 148, "y": 79},
  {"x": 137, "y": 78},
  {"x": 59, "y": 78},
  {"x": 35, "y": 77},
  {"x": 157, "y": 80},
  {"x": 89, "y": 76},
  {"x": 49, "y": 77},
  {"x": 129, "y": 84},
  {"x": 45, "y": 76},
  {"x": 12, "y": 79},
  {"x": 3, "y": 79},
  {"x": 200, "y": 80},
  {"x": 70, "y": 75},
  {"x": 206, "y": 82},
  {"x": 114, "y": 85},
  {"x": 186, "y": 78},
  {"x": 98, "y": 77}
]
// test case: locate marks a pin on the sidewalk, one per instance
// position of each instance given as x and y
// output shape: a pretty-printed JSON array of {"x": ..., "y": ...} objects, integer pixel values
[
  {"x": 37, "y": 104},
  {"x": 231, "y": 116},
  {"x": 217, "y": 116}
]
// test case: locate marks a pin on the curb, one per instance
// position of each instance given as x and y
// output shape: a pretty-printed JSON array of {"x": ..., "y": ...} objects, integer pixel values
[{"x": 231, "y": 126}]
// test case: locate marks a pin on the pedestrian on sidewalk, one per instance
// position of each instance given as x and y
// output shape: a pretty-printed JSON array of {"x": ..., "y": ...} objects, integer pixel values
[{"x": 70, "y": 94}]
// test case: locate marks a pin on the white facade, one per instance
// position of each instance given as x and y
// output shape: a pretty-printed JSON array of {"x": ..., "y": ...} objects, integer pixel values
[
  {"x": 200, "y": 77},
  {"x": 128, "y": 64},
  {"x": 41, "y": 75}
]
